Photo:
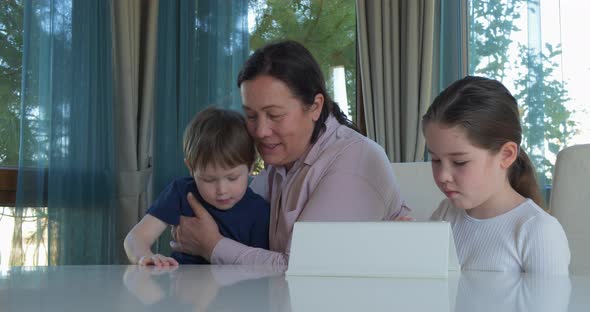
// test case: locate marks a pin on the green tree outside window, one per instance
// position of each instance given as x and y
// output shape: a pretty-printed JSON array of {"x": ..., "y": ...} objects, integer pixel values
[{"x": 531, "y": 77}]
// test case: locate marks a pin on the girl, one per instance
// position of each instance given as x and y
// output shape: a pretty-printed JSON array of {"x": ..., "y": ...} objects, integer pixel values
[{"x": 493, "y": 203}]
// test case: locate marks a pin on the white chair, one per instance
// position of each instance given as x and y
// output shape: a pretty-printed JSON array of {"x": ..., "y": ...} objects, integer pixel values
[
  {"x": 570, "y": 202},
  {"x": 418, "y": 189}
]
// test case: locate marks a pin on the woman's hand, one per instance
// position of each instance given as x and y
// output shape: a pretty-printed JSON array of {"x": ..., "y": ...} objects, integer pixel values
[
  {"x": 197, "y": 236},
  {"x": 405, "y": 218},
  {"x": 157, "y": 260}
]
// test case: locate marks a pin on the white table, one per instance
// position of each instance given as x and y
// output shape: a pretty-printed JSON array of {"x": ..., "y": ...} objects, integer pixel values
[{"x": 247, "y": 288}]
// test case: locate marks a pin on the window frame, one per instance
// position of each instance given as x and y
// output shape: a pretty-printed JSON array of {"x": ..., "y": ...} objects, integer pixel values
[{"x": 8, "y": 182}]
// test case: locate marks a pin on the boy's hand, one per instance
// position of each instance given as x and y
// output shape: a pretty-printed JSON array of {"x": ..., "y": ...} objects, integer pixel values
[
  {"x": 197, "y": 236},
  {"x": 157, "y": 260}
]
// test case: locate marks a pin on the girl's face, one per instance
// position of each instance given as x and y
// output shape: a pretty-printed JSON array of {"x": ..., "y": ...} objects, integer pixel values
[
  {"x": 468, "y": 175},
  {"x": 280, "y": 123}
]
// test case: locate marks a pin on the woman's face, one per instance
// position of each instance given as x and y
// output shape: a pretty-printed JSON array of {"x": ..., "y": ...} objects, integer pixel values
[{"x": 280, "y": 123}]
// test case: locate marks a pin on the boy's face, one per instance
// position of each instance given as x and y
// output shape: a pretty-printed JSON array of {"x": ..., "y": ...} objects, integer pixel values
[{"x": 222, "y": 187}]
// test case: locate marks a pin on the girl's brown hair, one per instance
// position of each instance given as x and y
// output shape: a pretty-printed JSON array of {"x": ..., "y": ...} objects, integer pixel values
[{"x": 489, "y": 114}]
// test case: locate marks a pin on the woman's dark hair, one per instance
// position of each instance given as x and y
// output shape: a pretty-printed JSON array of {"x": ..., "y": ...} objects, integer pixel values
[
  {"x": 293, "y": 64},
  {"x": 489, "y": 114}
]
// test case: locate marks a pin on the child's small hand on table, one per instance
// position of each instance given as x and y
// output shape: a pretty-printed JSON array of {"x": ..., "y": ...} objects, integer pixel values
[{"x": 157, "y": 260}]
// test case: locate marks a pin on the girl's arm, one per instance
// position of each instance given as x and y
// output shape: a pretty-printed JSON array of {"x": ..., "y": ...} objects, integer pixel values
[
  {"x": 545, "y": 248},
  {"x": 140, "y": 239}
]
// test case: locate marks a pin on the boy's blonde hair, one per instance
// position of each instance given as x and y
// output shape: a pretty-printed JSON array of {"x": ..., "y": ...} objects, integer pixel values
[{"x": 218, "y": 137}]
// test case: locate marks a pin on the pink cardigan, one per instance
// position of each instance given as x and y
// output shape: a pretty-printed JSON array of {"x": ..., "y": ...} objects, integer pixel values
[{"x": 344, "y": 176}]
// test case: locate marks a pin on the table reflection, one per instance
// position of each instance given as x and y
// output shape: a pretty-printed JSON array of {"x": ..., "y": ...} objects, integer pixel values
[
  {"x": 461, "y": 292},
  {"x": 247, "y": 288},
  {"x": 494, "y": 291},
  {"x": 244, "y": 288},
  {"x": 208, "y": 288}
]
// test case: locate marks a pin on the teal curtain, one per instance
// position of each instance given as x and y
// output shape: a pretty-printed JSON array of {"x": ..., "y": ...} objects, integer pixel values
[
  {"x": 67, "y": 165},
  {"x": 201, "y": 47},
  {"x": 452, "y": 42},
  {"x": 452, "y": 53}
]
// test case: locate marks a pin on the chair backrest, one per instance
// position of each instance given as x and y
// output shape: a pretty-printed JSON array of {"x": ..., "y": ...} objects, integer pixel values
[
  {"x": 418, "y": 188},
  {"x": 570, "y": 202}
]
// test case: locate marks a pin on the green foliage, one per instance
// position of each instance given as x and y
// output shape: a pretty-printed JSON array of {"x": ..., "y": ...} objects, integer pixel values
[
  {"x": 491, "y": 24},
  {"x": 547, "y": 123},
  {"x": 11, "y": 38},
  {"x": 326, "y": 28},
  {"x": 542, "y": 98},
  {"x": 23, "y": 119}
]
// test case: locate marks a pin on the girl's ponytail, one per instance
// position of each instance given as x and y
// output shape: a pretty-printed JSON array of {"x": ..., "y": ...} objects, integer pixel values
[{"x": 523, "y": 179}]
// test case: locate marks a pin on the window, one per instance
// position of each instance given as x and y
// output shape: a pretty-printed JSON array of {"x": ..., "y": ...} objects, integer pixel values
[
  {"x": 536, "y": 48},
  {"x": 11, "y": 39},
  {"x": 23, "y": 231},
  {"x": 326, "y": 28}
]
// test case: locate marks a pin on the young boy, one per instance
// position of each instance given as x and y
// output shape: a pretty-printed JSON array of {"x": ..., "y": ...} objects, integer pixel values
[{"x": 219, "y": 155}]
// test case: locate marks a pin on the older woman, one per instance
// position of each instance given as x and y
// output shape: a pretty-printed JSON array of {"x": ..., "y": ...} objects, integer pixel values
[{"x": 318, "y": 167}]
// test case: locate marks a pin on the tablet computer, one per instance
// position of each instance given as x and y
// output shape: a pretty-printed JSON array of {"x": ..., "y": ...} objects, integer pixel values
[{"x": 372, "y": 249}]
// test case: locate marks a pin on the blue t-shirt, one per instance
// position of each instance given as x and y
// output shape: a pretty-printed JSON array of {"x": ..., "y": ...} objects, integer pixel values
[{"x": 246, "y": 222}]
